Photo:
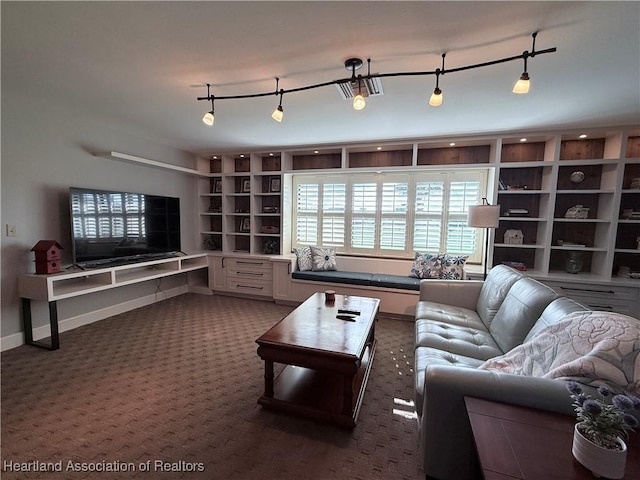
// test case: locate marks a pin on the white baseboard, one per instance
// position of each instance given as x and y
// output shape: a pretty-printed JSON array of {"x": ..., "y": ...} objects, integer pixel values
[{"x": 17, "y": 339}]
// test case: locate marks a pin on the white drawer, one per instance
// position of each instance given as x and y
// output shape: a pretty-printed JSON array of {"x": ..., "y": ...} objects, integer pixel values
[
  {"x": 250, "y": 286},
  {"x": 612, "y": 298},
  {"x": 247, "y": 264},
  {"x": 247, "y": 274}
]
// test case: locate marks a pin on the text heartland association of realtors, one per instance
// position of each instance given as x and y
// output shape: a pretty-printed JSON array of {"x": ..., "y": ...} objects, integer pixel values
[{"x": 104, "y": 466}]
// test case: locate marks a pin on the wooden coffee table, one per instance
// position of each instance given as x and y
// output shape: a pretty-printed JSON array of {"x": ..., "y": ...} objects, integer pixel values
[{"x": 327, "y": 359}]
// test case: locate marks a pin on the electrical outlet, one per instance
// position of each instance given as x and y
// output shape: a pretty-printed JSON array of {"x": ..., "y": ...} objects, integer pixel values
[{"x": 11, "y": 230}]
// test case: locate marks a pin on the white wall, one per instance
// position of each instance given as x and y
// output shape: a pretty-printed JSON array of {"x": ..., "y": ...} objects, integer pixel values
[{"x": 46, "y": 148}]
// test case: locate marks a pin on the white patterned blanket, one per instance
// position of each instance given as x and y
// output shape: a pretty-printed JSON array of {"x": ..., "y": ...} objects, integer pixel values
[{"x": 593, "y": 348}]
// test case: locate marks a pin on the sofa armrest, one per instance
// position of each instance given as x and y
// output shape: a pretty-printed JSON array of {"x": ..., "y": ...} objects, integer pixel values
[
  {"x": 459, "y": 293},
  {"x": 446, "y": 438}
]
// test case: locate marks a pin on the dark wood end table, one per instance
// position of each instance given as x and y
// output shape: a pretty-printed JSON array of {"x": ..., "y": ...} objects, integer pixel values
[{"x": 515, "y": 442}]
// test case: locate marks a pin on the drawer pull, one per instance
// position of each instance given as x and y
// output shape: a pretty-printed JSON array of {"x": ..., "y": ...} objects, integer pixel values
[
  {"x": 238, "y": 285},
  {"x": 588, "y": 290},
  {"x": 240, "y": 262},
  {"x": 250, "y": 274},
  {"x": 602, "y": 307}
]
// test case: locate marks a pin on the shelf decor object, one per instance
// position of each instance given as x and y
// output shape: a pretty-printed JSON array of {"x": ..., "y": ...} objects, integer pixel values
[
  {"x": 484, "y": 216},
  {"x": 359, "y": 85}
]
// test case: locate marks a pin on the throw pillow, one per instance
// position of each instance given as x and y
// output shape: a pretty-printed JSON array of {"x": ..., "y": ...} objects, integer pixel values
[
  {"x": 453, "y": 267},
  {"x": 426, "y": 265},
  {"x": 324, "y": 258},
  {"x": 303, "y": 256}
]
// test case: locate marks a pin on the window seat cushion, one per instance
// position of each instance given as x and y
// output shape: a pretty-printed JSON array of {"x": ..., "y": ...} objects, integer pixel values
[{"x": 360, "y": 278}]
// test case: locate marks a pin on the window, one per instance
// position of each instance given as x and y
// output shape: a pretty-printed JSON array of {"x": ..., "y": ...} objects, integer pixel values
[{"x": 389, "y": 214}]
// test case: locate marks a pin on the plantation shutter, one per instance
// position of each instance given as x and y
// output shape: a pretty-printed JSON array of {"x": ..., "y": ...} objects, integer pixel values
[{"x": 389, "y": 214}]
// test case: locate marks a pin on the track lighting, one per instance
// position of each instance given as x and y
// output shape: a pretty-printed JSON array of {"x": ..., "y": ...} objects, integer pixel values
[
  {"x": 436, "y": 96},
  {"x": 208, "y": 118},
  {"x": 353, "y": 64},
  {"x": 523, "y": 83},
  {"x": 278, "y": 113}
]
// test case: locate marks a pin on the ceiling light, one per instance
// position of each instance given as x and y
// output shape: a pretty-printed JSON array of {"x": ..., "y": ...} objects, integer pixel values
[
  {"x": 436, "y": 97},
  {"x": 352, "y": 64},
  {"x": 523, "y": 83},
  {"x": 584, "y": 135},
  {"x": 208, "y": 118},
  {"x": 452, "y": 144},
  {"x": 278, "y": 113},
  {"x": 379, "y": 148},
  {"x": 358, "y": 102},
  {"x": 523, "y": 139},
  {"x": 316, "y": 151}
]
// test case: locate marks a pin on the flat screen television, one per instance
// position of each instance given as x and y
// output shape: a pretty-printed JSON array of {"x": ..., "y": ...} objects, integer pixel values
[{"x": 121, "y": 227}]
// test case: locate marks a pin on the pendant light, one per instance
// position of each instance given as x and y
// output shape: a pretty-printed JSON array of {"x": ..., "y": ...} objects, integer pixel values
[
  {"x": 208, "y": 118},
  {"x": 436, "y": 97},
  {"x": 523, "y": 83},
  {"x": 358, "y": 100},
  {"x": 278, "y": 113}
]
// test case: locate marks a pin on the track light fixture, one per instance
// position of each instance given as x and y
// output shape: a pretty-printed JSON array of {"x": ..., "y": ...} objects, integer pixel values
[
  {"x": 208, "y": 118},
  {"x": 523, "y": 83},
  {"x": 436, "y": 97},
  {"x": 353, "y": 64},
  {"x": 278, "y": 113}
]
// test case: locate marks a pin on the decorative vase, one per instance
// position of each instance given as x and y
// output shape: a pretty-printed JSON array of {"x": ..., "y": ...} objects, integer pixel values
[
  {"x": 573, "y": 262},
  {"x": 602, "y": 462}
]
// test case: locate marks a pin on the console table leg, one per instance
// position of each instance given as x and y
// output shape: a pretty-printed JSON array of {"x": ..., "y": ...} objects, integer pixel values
[
  {"x": 26, "y": 317},
  {"x": 53, "y": 321},
  {"x": 28, "y": 325}
]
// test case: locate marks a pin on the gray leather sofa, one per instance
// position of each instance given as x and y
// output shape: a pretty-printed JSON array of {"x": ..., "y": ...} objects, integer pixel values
[{"x": 460, "y": 325}]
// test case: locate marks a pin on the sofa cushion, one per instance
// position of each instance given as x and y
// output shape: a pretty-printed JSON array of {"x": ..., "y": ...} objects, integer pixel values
[
  {"x": 450, "y": 314},
  {"x": 335, "y": 276},
  {"x": 555, "y": 312},
  {"x": 425, "y": 356},
  {"x": 453, "y": 267},
  {"x": 303, "y": 258},
  {"x": 324, "y": 258},
  {"x": 395, "y": 281},
  {"x": 494, "y": 290},
  {"x": 466, "y": 341},
  {"x": 426, "y": 265},
  {"x": 526, "y": 300}
]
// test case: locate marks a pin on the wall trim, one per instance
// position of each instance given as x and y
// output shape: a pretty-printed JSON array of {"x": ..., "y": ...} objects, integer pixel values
[{"x": 17, "y": 339}]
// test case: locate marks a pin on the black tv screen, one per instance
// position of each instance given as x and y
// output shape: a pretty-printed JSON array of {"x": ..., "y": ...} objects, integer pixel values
[{"x": 109, "y": 226}]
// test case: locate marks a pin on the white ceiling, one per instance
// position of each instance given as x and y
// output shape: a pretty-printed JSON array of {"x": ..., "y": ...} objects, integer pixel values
[{"x": 142, "y": 65}]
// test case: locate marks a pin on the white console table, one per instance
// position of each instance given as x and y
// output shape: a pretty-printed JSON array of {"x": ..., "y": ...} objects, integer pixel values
[{"x": 58, "y": 286}]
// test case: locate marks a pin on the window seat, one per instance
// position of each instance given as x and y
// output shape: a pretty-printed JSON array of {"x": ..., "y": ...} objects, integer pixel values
[{"x": 379, "y": 280}]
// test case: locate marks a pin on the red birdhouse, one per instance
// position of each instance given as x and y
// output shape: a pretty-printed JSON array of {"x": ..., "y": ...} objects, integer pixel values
[{"x": 47, "y": 256}]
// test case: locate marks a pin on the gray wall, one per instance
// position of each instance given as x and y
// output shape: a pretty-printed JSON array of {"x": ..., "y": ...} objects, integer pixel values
[{"x": 46, "y": 148}]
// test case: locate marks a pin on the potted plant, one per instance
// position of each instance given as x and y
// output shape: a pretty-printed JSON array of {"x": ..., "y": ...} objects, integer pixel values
[{"x": 600, "y": 430}]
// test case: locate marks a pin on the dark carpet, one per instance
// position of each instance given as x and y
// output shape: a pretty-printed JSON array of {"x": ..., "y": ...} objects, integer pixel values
[{"x": 169, "y": 391}]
